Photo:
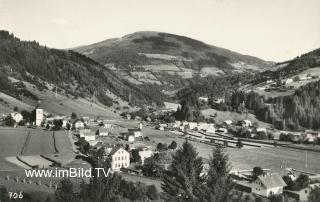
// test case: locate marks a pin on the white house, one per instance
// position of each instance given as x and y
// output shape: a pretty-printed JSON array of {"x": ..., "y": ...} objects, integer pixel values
[
  {"x": 268, "y": 184},
  {"x": 288, "y": 81},
  {"x": 78, "y": 124},
  {"x": 246, "y": 123},
  {"x": 211, "y": 128},
  {"x": 89, "y": 136},
  {"x": 310, "y": 136},
  {"x": 119, "y": 158},
  {"x": 203, "y": 99},
  {"x": 103, "y": 132},
  {"x": 146, "y": 153},
  {"x": 16, "y": 116},
  {"x": 136, "y": 132}
]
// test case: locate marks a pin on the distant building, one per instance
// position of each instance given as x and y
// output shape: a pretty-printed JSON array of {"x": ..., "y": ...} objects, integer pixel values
[
  {"x": 191, "y": 125},
  {"x": 120, "y": 158},
  {"x": 203, "y": 99},
  {"x": 39, "y": 116},
  {"x": 136, "y": 132},
  {"x": 288, "y": 81},
  {"x": 78, "y": 124},
  {"x": 268, "y": 184},
  {"x": 246, "y": 123},
  {"x": 103, "y": 131},
  {"x": 16, "y": 116},
  {"x": 227, "y": 123},
  {"x": 86, "y": 119},
  {"x": 146, "y": 153},
  {"x": 89, "y": 136},
  {"x": 310, "y": 136}
]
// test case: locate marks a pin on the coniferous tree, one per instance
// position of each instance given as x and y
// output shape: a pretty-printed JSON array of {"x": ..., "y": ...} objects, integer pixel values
[
  {"x": 218, "y": 184},
  {"x": 183, "y": 178}
]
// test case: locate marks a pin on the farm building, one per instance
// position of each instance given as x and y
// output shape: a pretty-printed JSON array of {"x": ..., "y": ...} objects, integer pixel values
[
  {"x": 268, "y": 184},
  {"x": 191, "y": 125},
  {"x": 120, "y": 158}
]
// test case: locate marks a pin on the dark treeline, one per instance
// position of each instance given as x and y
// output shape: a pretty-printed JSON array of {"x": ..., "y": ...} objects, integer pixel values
[{"x": 76, "y": 74}]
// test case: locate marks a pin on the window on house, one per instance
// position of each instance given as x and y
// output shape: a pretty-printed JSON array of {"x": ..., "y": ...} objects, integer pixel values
[{"x": 121, "y": 157}]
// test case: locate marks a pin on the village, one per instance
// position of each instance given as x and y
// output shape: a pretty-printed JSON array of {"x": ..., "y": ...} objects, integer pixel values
[{"x": 129, "y": 144}]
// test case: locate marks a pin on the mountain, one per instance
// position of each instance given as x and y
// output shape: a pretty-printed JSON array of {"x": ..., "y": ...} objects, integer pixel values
[
  {"x": 74, "y": 75},
  {"x": 166, "y": 59}
]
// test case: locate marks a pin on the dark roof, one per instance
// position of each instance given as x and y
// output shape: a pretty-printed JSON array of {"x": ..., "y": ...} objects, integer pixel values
[
  {"x": 273, "y": 180},
  {"x": 115, "y": 149}
]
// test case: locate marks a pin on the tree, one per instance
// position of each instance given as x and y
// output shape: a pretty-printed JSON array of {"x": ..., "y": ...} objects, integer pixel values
[
  {"x": 159, "y": 146},
  {"x": 257, "y": 171},
  {"x": 15, "y": 109},
  {"x": 314, "y": 195},
  {"x": 218, "y": 182},
  {"x": 73, "y": 115},
  {"x": 136, "y": 156},
  {"x": 152, "y": 166},
  {"x": 302, "y": 181},
  {"x": 9, "y": 121},
  {"x": 182, "y": 179},
  {"x": 64, "y": 193},
  {"x": 173, "y": 145}
]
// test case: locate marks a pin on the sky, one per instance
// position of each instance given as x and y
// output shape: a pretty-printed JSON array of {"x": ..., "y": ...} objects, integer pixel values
[{"x": 274, "y": 30}]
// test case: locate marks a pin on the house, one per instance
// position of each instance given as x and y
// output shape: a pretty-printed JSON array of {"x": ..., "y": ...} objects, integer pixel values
[
  {"x": 145, "y": 153},
  {"x": 203, "y": 99},
  {"x": 130, "y": 138},
  {"x": 268, "y": 184},
  {"x": 78, "y": 124},
  {"x": 210, "y": 128},
  {"x": 120, "y": 158},
  {"x": 191, "y": 125},
  {"x": 108, "y": 125},
  {"x": 288, "y": 81},
  {"x": 89, "y": 136},
  {"x": 136, "y": 132},
  {"x": 16, "y": 116},
  {"x": 128, "y": 116},
  {"x": 246, "y": 123},
  {"x": 161, "y": 126},
  {"x": 310, "y": 136},
  {"x": 84, "y": 131},
  {"x": 227, "y": 123},
  {"x": 86, "y": 119},
  {"x": 103, "y": 131},
  {"x": 219, "y": 100}
]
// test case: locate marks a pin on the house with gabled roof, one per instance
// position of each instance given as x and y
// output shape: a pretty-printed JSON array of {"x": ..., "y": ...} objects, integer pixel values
[
  {"x": 120, "y": 158},
  {"x": 268, "y": 185}
]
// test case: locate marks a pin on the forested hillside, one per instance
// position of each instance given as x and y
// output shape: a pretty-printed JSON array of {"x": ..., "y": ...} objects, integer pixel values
[
  {"x": 73, "y": 73},
  {"x": 302, "y": 110}
]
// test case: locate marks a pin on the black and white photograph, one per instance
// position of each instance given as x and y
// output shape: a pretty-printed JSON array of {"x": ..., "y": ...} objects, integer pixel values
[{"x": 159, "y": 101}]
